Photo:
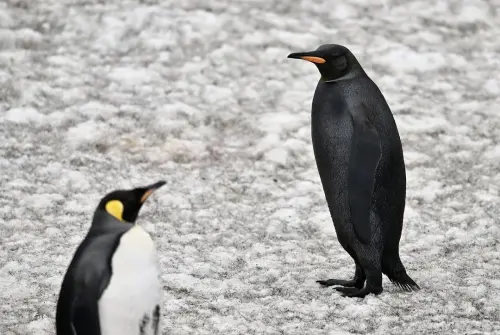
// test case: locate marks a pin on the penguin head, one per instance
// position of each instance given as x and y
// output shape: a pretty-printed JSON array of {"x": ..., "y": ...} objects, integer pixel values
[
  {"x": 125, "y": 205},
  {"x": 333, "y": 61}
]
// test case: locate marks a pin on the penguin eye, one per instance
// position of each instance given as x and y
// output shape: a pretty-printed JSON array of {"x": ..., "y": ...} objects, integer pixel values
[
  {"x": 115, "y": 208},
  {"x": 340, "y": 62}
]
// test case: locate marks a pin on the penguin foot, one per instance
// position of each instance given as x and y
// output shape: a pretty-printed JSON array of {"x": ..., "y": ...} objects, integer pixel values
[
  {"x": 352, "y": 292},
  {"x": 345, "y": 283},
  {"x": 347, "y": 290}
]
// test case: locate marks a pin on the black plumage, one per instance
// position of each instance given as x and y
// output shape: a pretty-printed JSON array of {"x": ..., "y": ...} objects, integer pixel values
[
  {"x": 88, "y": 276},
  {"x": 360, "y": 161}
]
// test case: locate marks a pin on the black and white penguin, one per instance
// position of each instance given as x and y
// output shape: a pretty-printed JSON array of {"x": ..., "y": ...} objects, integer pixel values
[
  {"x": 112, "y": 285},
  {"x": 359, "y": 157}
]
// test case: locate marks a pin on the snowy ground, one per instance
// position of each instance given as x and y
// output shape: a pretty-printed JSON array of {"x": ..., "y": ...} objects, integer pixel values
[{"x": 96, "y": 95}]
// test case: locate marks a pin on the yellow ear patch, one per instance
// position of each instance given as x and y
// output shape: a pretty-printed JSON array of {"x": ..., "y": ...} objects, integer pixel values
[
  {"x": 115, "y": 208},
  {"x": 146, "y": 195}
]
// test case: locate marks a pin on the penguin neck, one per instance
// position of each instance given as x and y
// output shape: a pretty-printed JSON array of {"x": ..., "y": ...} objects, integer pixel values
[
  {"x": 354, "y": 72},
  {"x": 101, "y": 218}
]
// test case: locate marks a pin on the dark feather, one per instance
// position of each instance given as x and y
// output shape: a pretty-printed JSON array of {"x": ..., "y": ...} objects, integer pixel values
[{"x": 365, "y": 155}]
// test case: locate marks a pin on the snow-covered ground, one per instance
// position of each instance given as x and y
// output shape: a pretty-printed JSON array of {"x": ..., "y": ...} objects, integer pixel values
[{"x": 98, "y": 95}]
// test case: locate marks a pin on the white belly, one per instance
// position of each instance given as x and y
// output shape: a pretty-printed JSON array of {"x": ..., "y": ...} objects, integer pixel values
[{"x": 131, "y": 304}]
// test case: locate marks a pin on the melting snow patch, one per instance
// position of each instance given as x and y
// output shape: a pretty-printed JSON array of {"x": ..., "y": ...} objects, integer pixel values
[
  {"x": 89, "y": 132},
  {"x": 277, "y": 155},
  {"x": 279, "y": 122},
  {"x": 24, "y": 115}
]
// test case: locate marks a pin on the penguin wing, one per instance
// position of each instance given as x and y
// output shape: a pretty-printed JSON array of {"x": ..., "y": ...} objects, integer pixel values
[
  {"x": 84, "y": 315},
  {"x": 92, "y": 276},
  {"x": 365, "y": 155}
]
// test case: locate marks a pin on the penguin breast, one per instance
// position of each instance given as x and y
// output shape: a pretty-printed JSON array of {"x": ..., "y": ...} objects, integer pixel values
[{"x": 131, "y": 302}]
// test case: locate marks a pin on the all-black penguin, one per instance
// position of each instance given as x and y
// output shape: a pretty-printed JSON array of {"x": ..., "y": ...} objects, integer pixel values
[
  {"x": 112, "y": 284},
  {"x": 359, "y": 157}
]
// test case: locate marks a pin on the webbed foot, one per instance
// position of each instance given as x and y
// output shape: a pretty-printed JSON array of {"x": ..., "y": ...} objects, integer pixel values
[
  {"x": 353, "y": 292},
  {"x": 341, "y": 282}
]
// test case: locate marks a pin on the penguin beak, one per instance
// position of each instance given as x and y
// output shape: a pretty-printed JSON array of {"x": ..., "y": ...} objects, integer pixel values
[
  {"x": 151, "y": 188},
  {"x": 308, "y": 56}
]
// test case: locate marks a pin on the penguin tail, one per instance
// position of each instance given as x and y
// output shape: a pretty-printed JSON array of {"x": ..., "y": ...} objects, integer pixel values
[
  {"x": 398, "y": 276},
  {"x": 403, "y": 281}
]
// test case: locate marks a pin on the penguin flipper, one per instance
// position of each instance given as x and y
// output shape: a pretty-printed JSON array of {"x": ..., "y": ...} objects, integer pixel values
[
  {"x": 365, "y": 155},
  {"x": 93, "y": 273},
  {"x": 85, "y": 317}
]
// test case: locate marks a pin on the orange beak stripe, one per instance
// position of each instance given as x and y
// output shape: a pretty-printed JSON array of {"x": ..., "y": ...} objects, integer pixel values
[
  {"x": 312, "y": 59},
  {"x": 146, "y": 195}
]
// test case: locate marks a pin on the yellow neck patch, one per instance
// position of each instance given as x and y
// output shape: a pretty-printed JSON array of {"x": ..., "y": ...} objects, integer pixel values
[{"x": 115, "y": 208}]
